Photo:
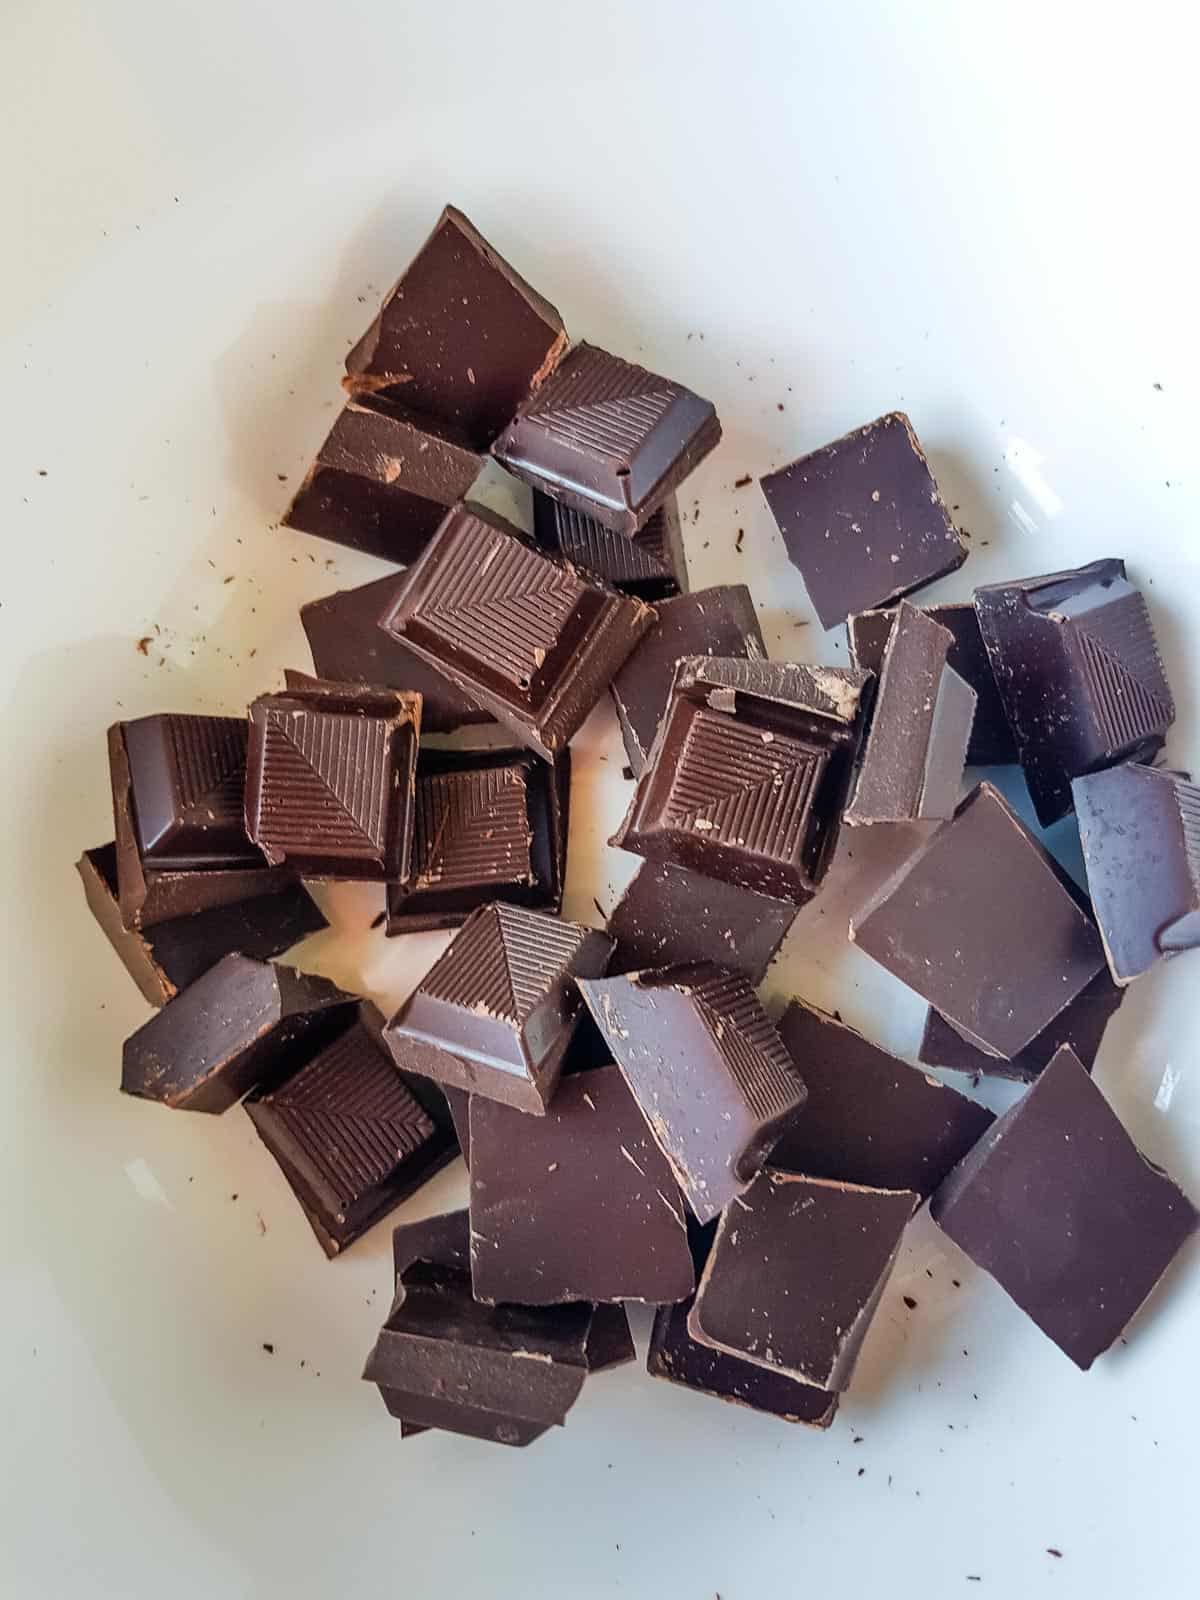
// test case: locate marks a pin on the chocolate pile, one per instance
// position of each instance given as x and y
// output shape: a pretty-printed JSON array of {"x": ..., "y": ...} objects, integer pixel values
[{"x": 636, "y": 1126}]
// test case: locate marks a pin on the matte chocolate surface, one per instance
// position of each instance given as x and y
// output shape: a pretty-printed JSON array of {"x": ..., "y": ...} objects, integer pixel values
[
  {"x": 459, "y": 1102},
  {"x": 577, "y": 1205},
  {"x": 495, "y": 1013},
  {"x": 1065, "y": 1212},
  {"x": 916, "y": 745},
  {"x": 608, "y": 438},
  {"x": 982, "y": 924},
  {"x": 708, "y": 1070},
  {"x": 241, "y": 1024},
  {"x": 461, "y": 338},
  {"x": 712, "y": 622},
  {"x": 869, "y": 1117},
  {"x": 991, "y": 743},
  {"x": 381, "y": 483},
  {"x": 748, "y": 775},
  {"x": 668, "y": 915},
  {"x": 164, "y": 959},
  {"x": 649, "y": 565},
  {"x": 1140, "y": 830},
  {"x": 1078, "y": 669},
  {"x": 863, "y": 519},
  {"x": 524, "y": 635}
]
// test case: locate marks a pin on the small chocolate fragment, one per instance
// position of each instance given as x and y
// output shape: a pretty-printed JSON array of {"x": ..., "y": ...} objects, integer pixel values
[
  {"x": 981, "y": 923},
  {"x": 796, "y": 1272},
  {"x": 487, "y": 825},
  {"x": 608, "y": 438},
  {"x": 712, "y": 622},
  {"x": 526, "y": 636},
  {"x": 863, "y": 520},
  {"x": 1140, "y": 830},
  {"x": 329, "y": 779},
  {"x": 461, "y": 338},
  {"x": 649, "y": 565},
  {"x": 668, "y": 916},
  {"x": 749, "y": 772},
  {"x": 577, "y": 1205},
  {"x": 991, "y": 743},
  {"x": 381, "y": 483},
  {"x": 1065, "y": 1212},
  {"x": 708, "y": 1069},
  {"x": 241, "y": 1024},
  {"x": 166, "y": 958},
  {"x": 495, "y": 1013},
  {"x": 1077, "y": 667},
  {"x": 916, "y": 746},
  {"x": 869, "y": 1117}
]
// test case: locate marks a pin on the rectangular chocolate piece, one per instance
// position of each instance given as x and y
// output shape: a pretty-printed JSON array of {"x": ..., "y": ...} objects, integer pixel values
[
  {"x": 461, "y": 338},
  {"x": 864, "y": 520},
  {"x": 869, "y": 1117},
  {"x": 916, "y": 745},
  {"x": 712, "y": 622},
  {"x": 241, "y": 1024},
  {"x": 1140, "y": 830},
  {"x": 982, "y": 924},
  {"x": 329, "y": 779},
  {"x": 991, "y": 743},
  {"x": 708, "y": 1069},
  {"x": 166, "y": 958},
  {"x": 1065, "y": 1212},
  {"x": 668, "y": 915},
  {"x": 1078, "y": 669},
  {"x": 528, "y": 637},
  {"x": 495, "y": 1013},
  {"x": 577, "y": 1205},
  {"x": 381, "y": 483},
  {"x": 748, "y": 775},
  {"x": 606, "y": 437},
  {"x": 649, "y": 565}
]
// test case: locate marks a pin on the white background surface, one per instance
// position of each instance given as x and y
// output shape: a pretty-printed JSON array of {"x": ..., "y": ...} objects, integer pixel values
[{"x": 811, "y": 214}]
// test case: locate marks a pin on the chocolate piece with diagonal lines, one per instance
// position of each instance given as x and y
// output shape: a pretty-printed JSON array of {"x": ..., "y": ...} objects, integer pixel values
[
  {"x": 608, "y": 438},
  {"x": 526, "y": 636},
  {"x": 1078, "y": 669},
  {"x": 496, "y": 1012},
  {"x": 650, "y": 565}
]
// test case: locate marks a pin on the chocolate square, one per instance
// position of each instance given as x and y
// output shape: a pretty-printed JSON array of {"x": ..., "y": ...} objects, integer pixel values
[
  {"x": 668, "y": 916},
  {"x": 649, "y": 565}
]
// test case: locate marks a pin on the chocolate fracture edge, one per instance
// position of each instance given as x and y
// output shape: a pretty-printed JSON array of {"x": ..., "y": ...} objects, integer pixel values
[
  {"x": 668, "y": 916},
  {"x": 650, "y": 565}
]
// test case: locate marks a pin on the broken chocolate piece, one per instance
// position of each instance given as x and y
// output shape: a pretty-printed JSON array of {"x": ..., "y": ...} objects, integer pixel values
[
  {"x": 495, "y": 1013},
  {"x": 863, "y": 520},
  {"x": 649, "y": 565},
  {"x": 708, "y": 1069},
  {"x": 608, "y": 438},
  {"x": 1065, "y": 1212},
  {"x": 981, "y": 923},
  {"x": 668, "y": 916},
  {"x": 241, "y": 1024},
  {"x": 526, "y": 636},
  {"x": 1077, "y": 667}
]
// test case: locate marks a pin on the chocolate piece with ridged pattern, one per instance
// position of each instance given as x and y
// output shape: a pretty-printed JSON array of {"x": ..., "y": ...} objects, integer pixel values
[{"x": 649, "y": 565}]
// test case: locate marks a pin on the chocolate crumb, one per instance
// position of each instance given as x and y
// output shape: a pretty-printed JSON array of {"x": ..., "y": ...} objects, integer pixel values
[
  {"x": 269, "y": 1348},
  {"x": 737, "y": 544},
  {"x": 740, "y": 483},
  {"x": 956, "y": 1283},
  {"x": 1158, "y": 386},
  {"x": 233, "y": 1197},
  {"x": 144, "y": 643},
  {"x": 627, "y": 774},
  {"x": 1050, "y": 1550},
  {"x": 909, "y": 1302},
  {"x": 861, "y": 1470}
]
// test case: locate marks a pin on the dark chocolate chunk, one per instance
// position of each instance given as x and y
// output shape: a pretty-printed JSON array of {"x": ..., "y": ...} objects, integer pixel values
[
  {"x": 982, "y": 924},
  {"x": 459, "y": 1102},
  {"x": 495, "y": 1013},
  {"x": 708, "y": 1069},
  {"x": 749, "y": 772},
  {"x": 649, "y": 565},
  {"x": 577, "y": 1205},
  {"x": 608, "y": 438},
  {"x": 668, "y": 915},
  {"x": 1065, "y": 1212},
  {"x": 869, "y": 1117},
  {"x": 240, "y": 1024},
  {"x": 863, "y": 519},
  {"x": 1140, "y": 830},
  {"x": 164, "y": 959},
  {"x": 461, "y": 338},
  {"x": 187, "y": 775},
  {"x": 329, "y": 779},
  {"x": 352, "y": 1136},
  {"x": 526, "y": 636},
  {"x": 916, "y": 746},
  {"x": 1077, "y": 666},
  {"x": 991, "y": 742},
  {"x": 487, "y": 825},
  {"x": 796, "y": 1272},
  {"x": 712, "y": 622}
]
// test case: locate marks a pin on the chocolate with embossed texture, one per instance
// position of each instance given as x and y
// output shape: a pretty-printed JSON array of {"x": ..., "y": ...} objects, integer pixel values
[
  {"x": 669, "y": 915},
  {"x": 649, "y": 565}
]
